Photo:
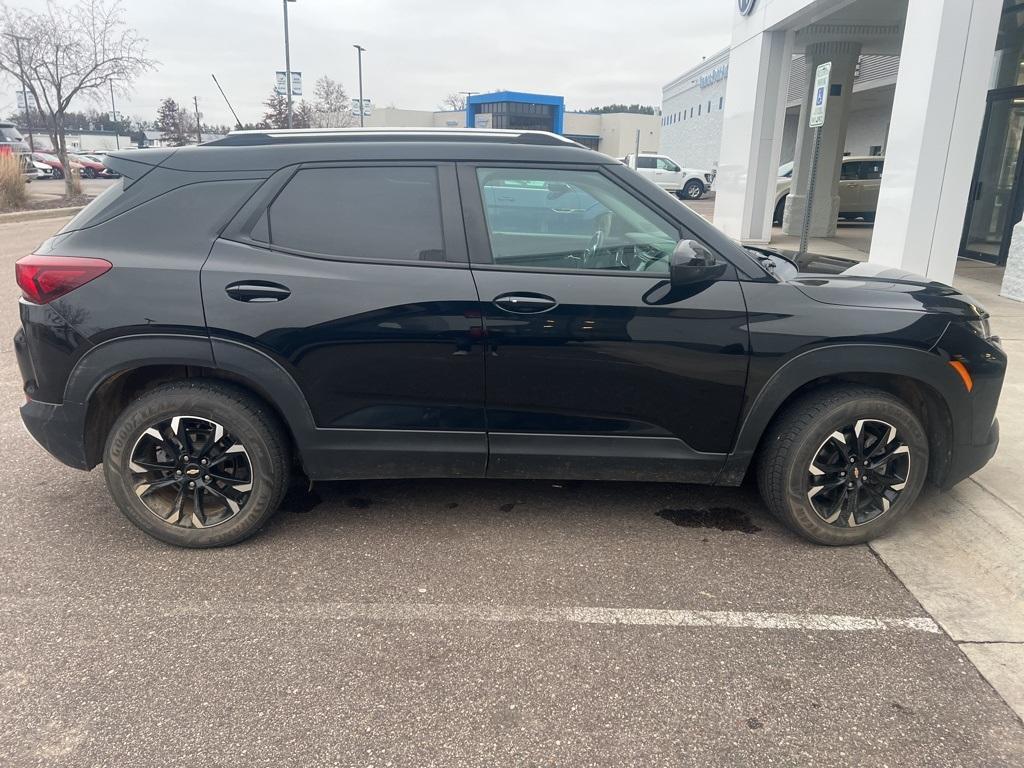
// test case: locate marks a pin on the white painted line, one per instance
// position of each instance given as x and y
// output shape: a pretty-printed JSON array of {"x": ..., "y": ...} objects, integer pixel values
[
  {"x": 450, "y": 612},
  {"x": 628, "y": 616}
]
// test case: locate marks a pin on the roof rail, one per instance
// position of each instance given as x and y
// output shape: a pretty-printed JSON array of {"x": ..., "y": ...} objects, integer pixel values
[{"x": 317, "y": 135}]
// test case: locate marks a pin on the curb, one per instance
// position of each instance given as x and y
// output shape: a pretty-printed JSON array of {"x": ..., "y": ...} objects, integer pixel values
[{"x": 45, "y": 213}]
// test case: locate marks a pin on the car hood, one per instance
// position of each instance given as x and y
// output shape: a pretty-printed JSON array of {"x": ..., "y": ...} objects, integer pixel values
[{"x": 877, "y": 286}]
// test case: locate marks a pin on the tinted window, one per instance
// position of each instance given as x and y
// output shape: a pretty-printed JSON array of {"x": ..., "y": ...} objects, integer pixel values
[
  {"x": 871, "y": 169},
  {"x": 850, "y": 171},
  {"x": 364, "y": 213},
  {"x": 645, "y": 162},
  {"x": 10, "y": 134},
  {"x": 561, "y": 219}
]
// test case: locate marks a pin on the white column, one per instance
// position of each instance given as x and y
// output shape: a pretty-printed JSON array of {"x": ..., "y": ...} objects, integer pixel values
[
  {"x": 937, "y": 113},
  {"x": 755, "y": 109}
]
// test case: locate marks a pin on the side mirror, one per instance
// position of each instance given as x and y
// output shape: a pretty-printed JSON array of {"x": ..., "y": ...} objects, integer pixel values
[{"x": 693, "y": 263}]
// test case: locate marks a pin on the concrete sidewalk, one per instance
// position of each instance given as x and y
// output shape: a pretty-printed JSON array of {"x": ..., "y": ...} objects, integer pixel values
[{"x": 962, "y": 553}]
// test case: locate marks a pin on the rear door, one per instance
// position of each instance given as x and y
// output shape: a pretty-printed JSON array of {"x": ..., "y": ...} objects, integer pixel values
[
  {"x": 850, "y": 188},
  {"x": 354, "y": 279},
  {"x": 594, "y": 368},
  {"x": 871, "y": 183}
]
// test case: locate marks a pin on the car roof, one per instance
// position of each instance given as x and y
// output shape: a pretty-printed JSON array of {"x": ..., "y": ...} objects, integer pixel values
[{"x": 269, "y": 150}]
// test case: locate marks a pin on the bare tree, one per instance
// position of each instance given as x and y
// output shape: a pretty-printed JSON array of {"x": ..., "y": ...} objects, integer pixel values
[
  {"x": 456, "y": 102},
  {"x": 68, "y": 52},
  {"x": 331, "y": 105}
]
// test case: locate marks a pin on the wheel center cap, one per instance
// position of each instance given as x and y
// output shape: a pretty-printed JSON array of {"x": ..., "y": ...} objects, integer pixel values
[{"x": 192, "y": 471}]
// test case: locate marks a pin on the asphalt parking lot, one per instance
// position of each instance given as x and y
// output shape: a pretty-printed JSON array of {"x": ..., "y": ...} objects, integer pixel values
[{"x": 460, "y": 623}]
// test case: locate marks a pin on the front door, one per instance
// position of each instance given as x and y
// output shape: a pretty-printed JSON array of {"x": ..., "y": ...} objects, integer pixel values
[
  {"x": 593, "y": 369},
  {"x": 354, "y": 278},
  {"x": 995, "y": 203}
]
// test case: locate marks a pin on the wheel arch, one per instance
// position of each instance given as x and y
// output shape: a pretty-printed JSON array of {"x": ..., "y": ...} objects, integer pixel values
[
  {"x": 113, "y": 373},
  {"x": 921, "y": 379}
]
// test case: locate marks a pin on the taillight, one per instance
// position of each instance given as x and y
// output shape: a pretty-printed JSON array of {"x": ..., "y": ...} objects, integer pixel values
[{"x": 45, "y": 278}]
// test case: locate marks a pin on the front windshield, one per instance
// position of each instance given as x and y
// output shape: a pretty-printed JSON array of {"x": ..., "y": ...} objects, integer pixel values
[{"x": 786, "y": 170}]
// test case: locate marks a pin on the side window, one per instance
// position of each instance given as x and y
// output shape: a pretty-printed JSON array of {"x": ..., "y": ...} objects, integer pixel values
[
  {"x": 646, "y": 162},
  {"x": 382, "y": 212},
  {"x": 850, "y": 172},
  {"x": 664, "y": 164},
  {"x": 564, "y": 219},
  {"x": 871, "y": 169}
]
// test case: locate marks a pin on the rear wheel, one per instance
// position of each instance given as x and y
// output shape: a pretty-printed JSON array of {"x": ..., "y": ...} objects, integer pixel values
[
  {"x": 780, "y": 212},
  {"x": 197, "y": 464},
  {"x": 843, "y": 464}
]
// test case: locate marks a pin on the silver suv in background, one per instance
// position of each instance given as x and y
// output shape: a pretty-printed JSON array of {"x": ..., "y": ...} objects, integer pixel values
[
  {"x": 859, "y": 182},
  {"x": 12, "y": 142}
]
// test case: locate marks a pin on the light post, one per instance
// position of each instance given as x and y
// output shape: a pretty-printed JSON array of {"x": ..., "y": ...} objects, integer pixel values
[
  {"x": 287, "y": 61},
  {"x": 362, "y": 104},
  {"x": 113, "y": 115},
  {"x": 24, "y": 88}
]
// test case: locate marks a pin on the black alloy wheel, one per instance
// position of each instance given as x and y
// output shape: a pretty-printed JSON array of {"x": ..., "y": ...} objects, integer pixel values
[
  {"x": 858, "y": 473},
  {"x": 190, "y": 472}
]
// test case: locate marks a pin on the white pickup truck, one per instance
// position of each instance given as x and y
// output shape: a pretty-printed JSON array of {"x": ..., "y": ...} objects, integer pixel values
[{"x": 686, "y": 183}]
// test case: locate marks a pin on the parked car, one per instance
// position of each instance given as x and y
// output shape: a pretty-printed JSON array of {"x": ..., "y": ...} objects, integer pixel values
[
  {"x": 859, "y": 182},
  {"x": 686, "y": 183},
  {"x": 42, "y": 170},
  {"x": 93, "y": 167},
  {"x": 52, "y": 161},
  {"x": 475, "y": 304},
  {"x": 13, "y": 143}
]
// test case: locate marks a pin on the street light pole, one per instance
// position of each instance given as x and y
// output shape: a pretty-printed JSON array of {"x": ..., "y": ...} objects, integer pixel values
[
  {"x": 24, "y": 88},
  {"x": 362, "y": 104},
  {"x": 113, "y": 115},
  {"x": 287, "y": 61},
  {"x": 199, "y": 124}
]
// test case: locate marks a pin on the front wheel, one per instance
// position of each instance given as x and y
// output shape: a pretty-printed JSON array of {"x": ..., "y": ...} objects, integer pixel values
[
  {"x": 196, "y": 463},
  {"x": 693, "y": 190},
  {"x": 842, "y": 464}
]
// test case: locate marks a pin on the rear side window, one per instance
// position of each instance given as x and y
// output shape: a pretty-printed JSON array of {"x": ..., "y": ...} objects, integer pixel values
[
  {"x": 387, "y": 213},
  {"x": 646, "y": 162},
  {"x": 871, "y": 169}
]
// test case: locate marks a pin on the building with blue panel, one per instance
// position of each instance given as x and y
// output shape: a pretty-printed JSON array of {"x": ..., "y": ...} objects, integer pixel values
[{"x": 515, "y": 110}]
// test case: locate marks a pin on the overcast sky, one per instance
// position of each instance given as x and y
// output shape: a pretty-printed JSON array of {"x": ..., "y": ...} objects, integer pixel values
[{"x": 592, "y": 52}]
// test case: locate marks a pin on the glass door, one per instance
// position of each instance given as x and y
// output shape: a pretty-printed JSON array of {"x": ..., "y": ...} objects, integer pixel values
[{"x": 996, "y": 202}]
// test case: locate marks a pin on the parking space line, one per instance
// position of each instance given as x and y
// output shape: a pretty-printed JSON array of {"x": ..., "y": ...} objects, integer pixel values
[
  {"x": 631, "y": 617},
  {"x": 452, "y": 612}
]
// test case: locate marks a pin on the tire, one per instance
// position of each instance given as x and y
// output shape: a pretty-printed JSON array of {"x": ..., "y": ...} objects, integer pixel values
[
  {"x": 58, "y": 174},
  {"x": 806, "y": 432},
  {"x": 780, "y": 211},
  {"x": 252, "y": 450},
  {"x": 693, "y": 190},
  {"x": 89, "y": 173}
]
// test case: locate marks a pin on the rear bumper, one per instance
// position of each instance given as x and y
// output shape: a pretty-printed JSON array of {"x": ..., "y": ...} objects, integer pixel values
[
  {"x": 59, "y": 429},
  {"x": 968, "y": 459}
]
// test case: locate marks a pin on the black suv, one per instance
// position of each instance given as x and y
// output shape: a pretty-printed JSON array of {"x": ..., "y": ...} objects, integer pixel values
[{"x": 370, "y": 304}]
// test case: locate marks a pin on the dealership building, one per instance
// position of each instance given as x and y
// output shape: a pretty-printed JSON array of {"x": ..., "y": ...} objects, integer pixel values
[
  {"x": 613, "y": 133},
  {"x": 935, "y": 86}
]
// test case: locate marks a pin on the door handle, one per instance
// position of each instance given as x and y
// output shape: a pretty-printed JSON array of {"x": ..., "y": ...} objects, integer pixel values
[
  {"x": 525, "y": 303},
  {"x": 257, "y": 291}
]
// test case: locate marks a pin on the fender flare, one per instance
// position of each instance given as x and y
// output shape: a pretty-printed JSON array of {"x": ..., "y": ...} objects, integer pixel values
[
  {"x": 255, "y": 369},
  {"x": 926, "y": 368}
]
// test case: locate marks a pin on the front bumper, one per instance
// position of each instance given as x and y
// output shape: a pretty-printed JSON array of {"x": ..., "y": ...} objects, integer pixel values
[
  {"x": 968, "y": 459},
  {"x": 59, "y": 429}
]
